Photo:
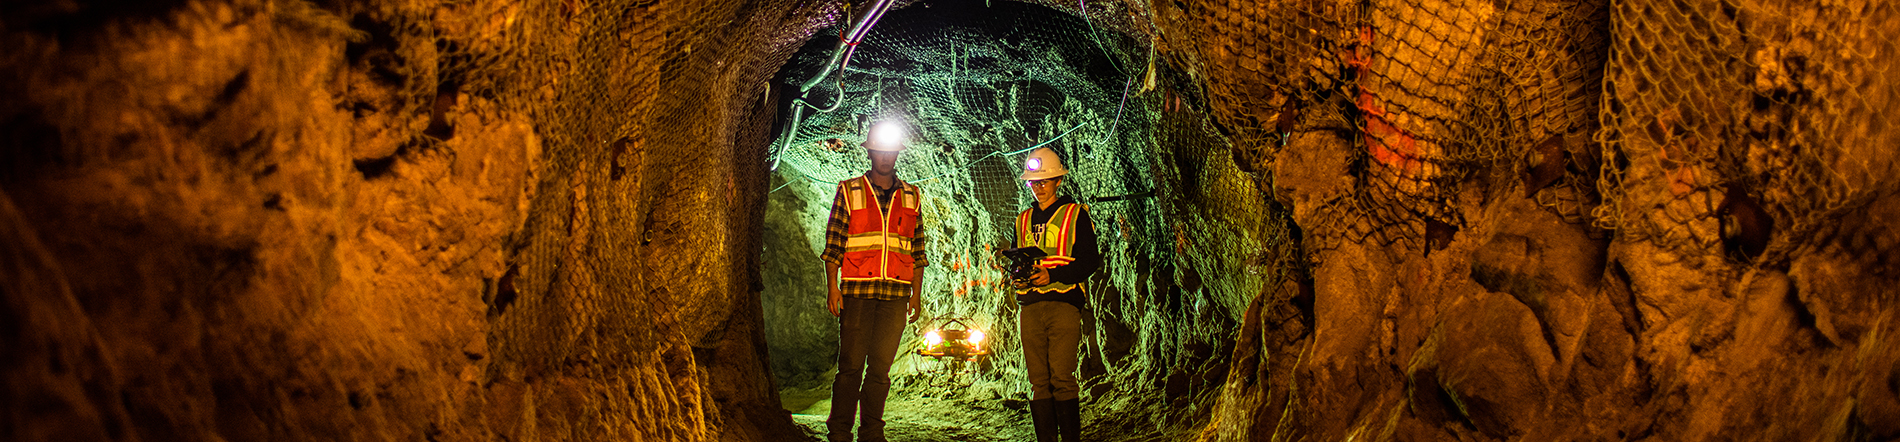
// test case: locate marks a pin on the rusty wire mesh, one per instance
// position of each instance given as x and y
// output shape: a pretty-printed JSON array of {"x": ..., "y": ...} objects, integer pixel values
[
  {"x": 1710, "y": 105},
  {"x": 1642, "y": 114},
  {"x": 1429, "y": 96}
]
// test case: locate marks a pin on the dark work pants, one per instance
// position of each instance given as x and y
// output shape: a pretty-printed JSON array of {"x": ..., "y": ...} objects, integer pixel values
[
  {"x": 1050, "y": 332},
  {"x": 868, "y": 334}
]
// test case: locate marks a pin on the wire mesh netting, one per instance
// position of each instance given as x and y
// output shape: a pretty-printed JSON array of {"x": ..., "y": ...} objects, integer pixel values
[
  {"x": 1728, "y": 127},
  {"x": 1657, "y": 120},
  {"x": 1428, "y": 94},
  {"x": 1588, "y": 104},
  {"x": 978, "y": 86},
  {"x": 1188, "y": 235},
  {"x": 596, "y": 272},
  {"x": 1716, "y": 102},
  {"x": 1723, "y": 112},
  {"x": 1645, "y": 118}
]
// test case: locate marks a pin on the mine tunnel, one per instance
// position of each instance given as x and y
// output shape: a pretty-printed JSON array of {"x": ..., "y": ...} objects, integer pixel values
[{"x": 605, "y": 219}]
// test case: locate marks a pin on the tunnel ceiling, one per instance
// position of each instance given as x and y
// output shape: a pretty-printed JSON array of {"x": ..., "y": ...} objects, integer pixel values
[{"x": 976, "y": 83}]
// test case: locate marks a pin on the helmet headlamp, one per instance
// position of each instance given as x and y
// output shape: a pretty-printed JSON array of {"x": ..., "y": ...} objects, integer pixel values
[{"x": 886, "y": 136}]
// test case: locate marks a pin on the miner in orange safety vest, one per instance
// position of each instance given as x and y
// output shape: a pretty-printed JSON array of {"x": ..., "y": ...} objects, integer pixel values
[
  {"x": 1053, "y": 299},
  {"x": 874, "y": 260}
]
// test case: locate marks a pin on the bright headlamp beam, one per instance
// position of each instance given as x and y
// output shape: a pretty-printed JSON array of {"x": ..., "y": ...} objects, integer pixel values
[{"x": 888, "y": 133}]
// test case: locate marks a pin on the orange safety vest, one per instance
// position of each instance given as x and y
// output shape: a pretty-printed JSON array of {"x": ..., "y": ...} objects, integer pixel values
[
  {"x": 878, "y": 243},
  {"x": 1057, "y": 240}
]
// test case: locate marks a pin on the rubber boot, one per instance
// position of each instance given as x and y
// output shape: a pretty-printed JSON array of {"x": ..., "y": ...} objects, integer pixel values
[
  {"x": 1042, "y": 412},
  {"x": 1069, "y": 420}
]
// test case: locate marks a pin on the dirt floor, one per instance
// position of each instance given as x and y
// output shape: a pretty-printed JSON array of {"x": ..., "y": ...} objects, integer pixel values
[
  {"x": 924, "y": 405},
  {"x": 917, "y": 413}
]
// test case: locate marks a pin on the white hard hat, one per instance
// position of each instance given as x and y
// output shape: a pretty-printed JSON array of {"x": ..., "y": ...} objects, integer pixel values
[
  {"x": 886, "y": 136},
  {"x": 1043, "y": 164}
]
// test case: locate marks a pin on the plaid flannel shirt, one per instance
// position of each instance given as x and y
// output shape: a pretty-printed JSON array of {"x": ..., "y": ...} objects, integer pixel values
[{"x": 835, "y": 231}]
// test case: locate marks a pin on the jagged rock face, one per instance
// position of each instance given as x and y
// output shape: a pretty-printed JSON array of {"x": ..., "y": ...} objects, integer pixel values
[
  {"x": 257, "y": 220},
  {"x": 1503, "y": 308}
]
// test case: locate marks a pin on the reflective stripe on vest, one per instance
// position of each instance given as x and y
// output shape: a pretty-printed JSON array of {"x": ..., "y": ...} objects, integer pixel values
[
  {"x": 1057, "y": 240},
  {"x": 878, "y": 244}
]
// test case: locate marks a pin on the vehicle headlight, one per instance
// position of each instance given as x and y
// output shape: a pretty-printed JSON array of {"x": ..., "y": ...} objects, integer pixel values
[
  {"x": 976, "y": 336},
  {"x": 933, "y": 339}
]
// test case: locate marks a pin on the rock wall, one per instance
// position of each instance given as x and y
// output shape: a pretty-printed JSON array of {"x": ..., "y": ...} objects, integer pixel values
[
  {"x": 266, "y": 220},
  {"x": 1560, "y": 220},
  {"x": 801, "y": 333}
]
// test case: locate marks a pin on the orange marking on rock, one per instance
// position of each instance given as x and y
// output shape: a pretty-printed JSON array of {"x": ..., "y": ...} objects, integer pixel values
[{"x": 1388, "y": 143}]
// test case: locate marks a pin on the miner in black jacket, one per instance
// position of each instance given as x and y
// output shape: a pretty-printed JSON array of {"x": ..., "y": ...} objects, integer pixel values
[{"x": 1053, "y": 298}]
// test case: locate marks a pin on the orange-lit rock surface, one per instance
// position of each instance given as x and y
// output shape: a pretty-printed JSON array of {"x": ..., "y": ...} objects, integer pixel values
[{"x": 289, "y": 220}]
